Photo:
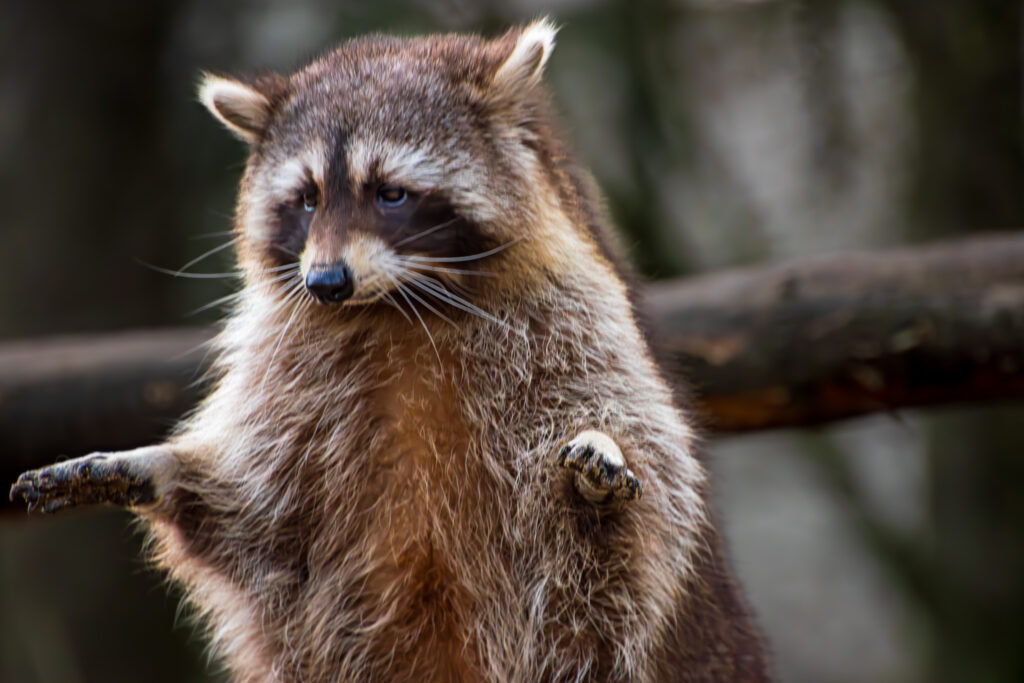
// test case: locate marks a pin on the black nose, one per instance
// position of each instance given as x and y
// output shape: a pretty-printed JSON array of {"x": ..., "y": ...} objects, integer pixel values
[{"x": 330, "y": 284}]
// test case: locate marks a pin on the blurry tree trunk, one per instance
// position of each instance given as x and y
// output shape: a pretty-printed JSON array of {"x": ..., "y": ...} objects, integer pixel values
[
  {"x": 968, "y": 161},
  {"x": 967, "y": 172},
  {"x": 86, "y": 83},
  {"x": 827, "y": 338}
]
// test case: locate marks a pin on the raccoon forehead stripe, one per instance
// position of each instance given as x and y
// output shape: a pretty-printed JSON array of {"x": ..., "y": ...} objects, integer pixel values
[
  {"x": 393, "y": 162},
  {"x": 292, "y": 174},
  {"x": 456, "y": 174}
]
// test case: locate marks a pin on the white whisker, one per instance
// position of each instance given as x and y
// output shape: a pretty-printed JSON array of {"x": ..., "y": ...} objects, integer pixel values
[
  {"x": 402, "y": 290},
  {"x": 210, "y": 235},
  {"x": 441, "y": 269},
  {"x": 230, "y": 298},
  {"x": 287, "y": 251},
  {"x": 296, "y": 294},
  {"x": 287, "y": 275},
  {"x": 425, "y": 232},
  {"x": 207, "y": 254},
  {"x": 429, "y": 307},
  {"x": 433, "y": 287},
  {"x": 462, "y": 259},
  {"x": 287, "y": 266},
  {"x": 391, "y": 300},
  {"x": 192, "y": 276}
]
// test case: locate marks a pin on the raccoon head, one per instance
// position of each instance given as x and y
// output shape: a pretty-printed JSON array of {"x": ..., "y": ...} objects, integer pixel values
[{"x": 392, "y": 166}]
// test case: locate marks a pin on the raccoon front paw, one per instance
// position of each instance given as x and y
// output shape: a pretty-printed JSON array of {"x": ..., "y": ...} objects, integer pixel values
[
  {"x": 83, "y": 481},
  {"x": 600, "y": 470}
]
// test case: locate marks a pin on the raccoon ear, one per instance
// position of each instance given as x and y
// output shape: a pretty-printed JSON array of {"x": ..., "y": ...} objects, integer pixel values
[
  {"x": 524, "y": 67},
  {"x": 244, "y": 107}
]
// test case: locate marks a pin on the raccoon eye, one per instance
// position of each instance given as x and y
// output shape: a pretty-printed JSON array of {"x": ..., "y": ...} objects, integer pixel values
[
  {"x": 390, "y": 196},
  {"x": 310, "y": 198}
]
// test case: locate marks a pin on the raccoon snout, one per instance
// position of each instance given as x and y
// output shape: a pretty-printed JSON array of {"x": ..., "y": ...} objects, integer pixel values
[{"x": 330, "y": 284}]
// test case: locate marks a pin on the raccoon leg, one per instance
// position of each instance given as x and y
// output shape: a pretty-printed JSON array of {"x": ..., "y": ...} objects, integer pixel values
[
  {"x": 600, "y": 470},
  {"x": 126, "y": 478}
]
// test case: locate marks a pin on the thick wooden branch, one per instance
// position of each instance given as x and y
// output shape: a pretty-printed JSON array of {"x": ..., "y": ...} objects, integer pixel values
[
  {"x": 71, "y": 395},
  {"x": 849, "y": 334},
  {"x": 783, "y": 345}
]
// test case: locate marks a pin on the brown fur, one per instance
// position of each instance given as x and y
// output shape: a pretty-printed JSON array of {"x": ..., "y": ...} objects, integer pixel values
[{"x": 368, "y": 495}]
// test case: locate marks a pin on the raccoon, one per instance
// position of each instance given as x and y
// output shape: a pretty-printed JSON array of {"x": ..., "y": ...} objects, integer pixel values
[{"x": 436, "y": 446}]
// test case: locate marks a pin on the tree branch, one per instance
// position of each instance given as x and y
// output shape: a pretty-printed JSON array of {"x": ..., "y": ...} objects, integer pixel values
[
  {"x": 68, "y": 396},
  {"x": 849, "y": 334},
  {"x": 774, "y": 346}
]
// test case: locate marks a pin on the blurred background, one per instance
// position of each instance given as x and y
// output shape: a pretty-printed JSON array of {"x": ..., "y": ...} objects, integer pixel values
[{"x": 724, "y": 133}]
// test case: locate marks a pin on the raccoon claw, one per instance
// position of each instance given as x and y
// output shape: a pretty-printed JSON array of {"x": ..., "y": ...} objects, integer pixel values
[
  {"x": 92, "y": 479},
  {"x": 599, "y": 467}
]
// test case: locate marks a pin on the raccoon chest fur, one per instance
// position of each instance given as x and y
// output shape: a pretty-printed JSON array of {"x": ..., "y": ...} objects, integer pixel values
[
  {"x": 417, "y": 493},
  {"x": 397, "y": 493}
]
